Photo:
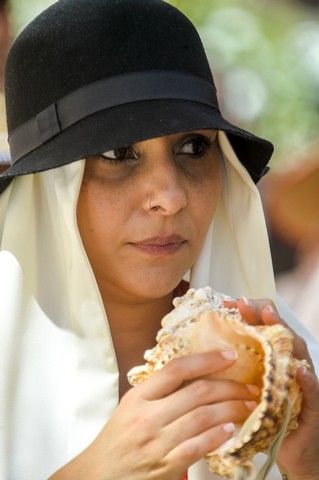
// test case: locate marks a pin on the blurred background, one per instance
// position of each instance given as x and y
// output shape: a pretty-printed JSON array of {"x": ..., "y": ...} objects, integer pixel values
[{"x": 265, "y": 57}]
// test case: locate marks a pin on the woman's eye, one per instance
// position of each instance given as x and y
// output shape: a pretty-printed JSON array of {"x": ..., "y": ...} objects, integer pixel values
[
  {"x": 197, "y": 146},
  {"x": 119, "y": 154}
]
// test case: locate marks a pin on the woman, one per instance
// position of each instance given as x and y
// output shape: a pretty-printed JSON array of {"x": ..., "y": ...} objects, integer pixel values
[{"x": 125, "y": 182}]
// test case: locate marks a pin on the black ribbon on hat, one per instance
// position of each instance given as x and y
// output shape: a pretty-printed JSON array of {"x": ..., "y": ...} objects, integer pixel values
[{"x": 104, "y": 94}]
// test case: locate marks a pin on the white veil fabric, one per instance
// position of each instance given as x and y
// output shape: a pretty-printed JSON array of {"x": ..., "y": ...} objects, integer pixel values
[{"x": 58, "y": 369}]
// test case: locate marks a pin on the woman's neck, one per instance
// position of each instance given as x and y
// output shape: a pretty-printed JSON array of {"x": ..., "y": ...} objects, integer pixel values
[
  {"x": 137, "y": 320},
  {"x": 133, "y": 328}
]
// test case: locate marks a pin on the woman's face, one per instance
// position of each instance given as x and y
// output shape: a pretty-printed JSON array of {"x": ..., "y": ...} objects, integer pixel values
[{"x": 144, "y": 211}]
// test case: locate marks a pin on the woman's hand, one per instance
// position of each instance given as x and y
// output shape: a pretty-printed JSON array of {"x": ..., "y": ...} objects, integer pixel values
[
  {"x": 164, "y": 425},
  {"x": 299, "y": 453}
]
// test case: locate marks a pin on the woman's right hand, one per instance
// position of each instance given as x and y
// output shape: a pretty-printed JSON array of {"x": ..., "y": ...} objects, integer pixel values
[{"x": 164, "y": 425}]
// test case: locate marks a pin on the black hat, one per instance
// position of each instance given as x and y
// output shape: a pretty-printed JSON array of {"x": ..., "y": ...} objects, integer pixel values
[{"x": 89, "y": 76}]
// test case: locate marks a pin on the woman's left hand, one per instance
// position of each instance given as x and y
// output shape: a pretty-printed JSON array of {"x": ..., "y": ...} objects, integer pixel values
[{"x": 299, "y": 453}]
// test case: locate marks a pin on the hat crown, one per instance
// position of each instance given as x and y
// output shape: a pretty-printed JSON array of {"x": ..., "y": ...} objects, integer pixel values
[{"x": 75, "y": 42}]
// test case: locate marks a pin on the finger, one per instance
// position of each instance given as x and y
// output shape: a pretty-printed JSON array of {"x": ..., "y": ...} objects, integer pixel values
[
  {"x": 270, "y": 317},
  {"x": 309, "y": 384},
  {"x": 204, "y": 392},
  {"x": 184, "y": 369},
  {"x": 264, "y": 312},
  {"x": 204, "y": 418},
  {"x": 195, "y": 448},
  {"x": 250, "y": 309}
]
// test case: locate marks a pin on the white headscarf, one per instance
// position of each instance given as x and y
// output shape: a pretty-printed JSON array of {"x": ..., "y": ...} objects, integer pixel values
[{"x": 58, "y": 370}]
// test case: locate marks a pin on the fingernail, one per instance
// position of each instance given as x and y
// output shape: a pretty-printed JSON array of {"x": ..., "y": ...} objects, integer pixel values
[
  {"x": 251, "y": 405},
  {"x": 270, "y": 309},
  {"x": 253, "y": 389},
  {"x": 246, "y": 301},
  {"x": 230, "y": 354},
  {"x": 307, "y": 375},
  {"x": 305, "y": 372},
  {"x": 228, "y": 427}
]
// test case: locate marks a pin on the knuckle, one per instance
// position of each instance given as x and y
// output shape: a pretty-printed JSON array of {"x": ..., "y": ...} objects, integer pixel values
[
  {"x": 202, "y": 416},
  {"x": 201, "y": 388},
  {"x": 175, "y": 367},
  {"x": 147, "y": 420},
  {"x": 131, "y": 397},
  {"x": 190, "y": 451},
  {"x": 143, "y": 427}
]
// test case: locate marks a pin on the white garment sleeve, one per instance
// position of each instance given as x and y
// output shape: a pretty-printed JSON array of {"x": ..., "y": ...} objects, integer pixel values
[{"x": 290, "y": 318}]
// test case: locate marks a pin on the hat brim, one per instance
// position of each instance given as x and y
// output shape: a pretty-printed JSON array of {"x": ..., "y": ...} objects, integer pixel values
[{"x": 124, "y": 125}]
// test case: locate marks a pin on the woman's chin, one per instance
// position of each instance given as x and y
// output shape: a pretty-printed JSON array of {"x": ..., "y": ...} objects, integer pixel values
[{"x": 155, "y": 287}]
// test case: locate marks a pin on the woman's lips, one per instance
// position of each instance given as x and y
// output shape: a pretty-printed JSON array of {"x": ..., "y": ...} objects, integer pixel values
[{"x": 160, "y": 245}]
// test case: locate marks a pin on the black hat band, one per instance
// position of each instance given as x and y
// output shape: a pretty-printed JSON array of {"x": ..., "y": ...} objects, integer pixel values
[{"x": 104, "y": 94}]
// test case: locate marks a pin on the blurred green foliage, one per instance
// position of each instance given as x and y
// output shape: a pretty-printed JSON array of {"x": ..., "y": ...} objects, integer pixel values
[
  {"x": 267, "y": 53},
  {"x": 23, "y": 11},
  {"x": 265, "y": 56}
]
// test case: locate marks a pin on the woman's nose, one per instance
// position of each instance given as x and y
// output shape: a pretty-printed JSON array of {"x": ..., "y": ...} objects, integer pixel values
[{"x": 166, "y": 194}]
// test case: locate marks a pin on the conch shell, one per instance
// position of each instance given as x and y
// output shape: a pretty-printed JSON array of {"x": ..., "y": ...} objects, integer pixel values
[{"x": 198, "y": 323}]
